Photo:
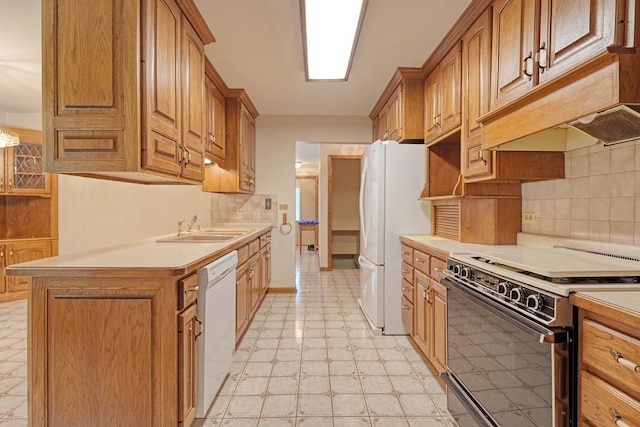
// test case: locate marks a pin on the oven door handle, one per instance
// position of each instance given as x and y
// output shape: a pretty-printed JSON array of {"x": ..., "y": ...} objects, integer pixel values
[{"x": 546, "y": 336}]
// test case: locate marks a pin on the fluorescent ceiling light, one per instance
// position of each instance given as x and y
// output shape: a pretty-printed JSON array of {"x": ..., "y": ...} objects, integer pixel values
[
  {"x": 8, "y": 138},
  {"x": 330, "y": 30}
]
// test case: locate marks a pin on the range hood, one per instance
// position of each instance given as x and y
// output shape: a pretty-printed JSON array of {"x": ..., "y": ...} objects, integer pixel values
[
  {"x": 613, "y": 126},
  {"x": 609, "y": 127}
]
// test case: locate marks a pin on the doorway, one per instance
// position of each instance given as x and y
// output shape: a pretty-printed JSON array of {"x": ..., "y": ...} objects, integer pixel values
[
  {"x": 307, "y": 211},
  {"x": 343, "y": 211}
]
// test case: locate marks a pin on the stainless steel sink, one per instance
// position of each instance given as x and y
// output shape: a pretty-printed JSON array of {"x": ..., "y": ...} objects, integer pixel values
[{"x": 210, "y": 235}]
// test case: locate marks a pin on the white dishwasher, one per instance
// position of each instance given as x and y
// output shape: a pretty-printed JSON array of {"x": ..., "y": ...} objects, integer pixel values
[{"x": 217, "y": 311}]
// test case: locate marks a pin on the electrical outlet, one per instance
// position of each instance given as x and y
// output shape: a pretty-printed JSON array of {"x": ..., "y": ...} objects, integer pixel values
[
  {"x": 267, "y": 203},
  {"x": 528, "y": 218},
  {"x": 240, "y": 211}
]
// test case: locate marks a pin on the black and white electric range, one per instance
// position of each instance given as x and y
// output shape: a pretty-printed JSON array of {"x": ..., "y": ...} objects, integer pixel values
[{"x": 510, "y": 331}]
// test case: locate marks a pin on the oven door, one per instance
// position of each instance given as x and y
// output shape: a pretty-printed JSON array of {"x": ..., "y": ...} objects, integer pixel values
[{"x": 503, "y": 369}]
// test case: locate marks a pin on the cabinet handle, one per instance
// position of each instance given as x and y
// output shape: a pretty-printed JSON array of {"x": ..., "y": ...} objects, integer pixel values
[
  {"x": 1, "y": 182},
  {"x": 528, "y": 66},
  {"x": 404, "y": 271},
  {"x": 199, "y": 327},
  {"x": 617, "y": 418},
  {"x": 404, "y": 288},
  {"x": 405, "y": 253},
  {"x": 541, "y": 57},
  {"x": 437, "y": 269},
  {"x": 194, "y": 289},
  {"x": 617, "y": 356},
  {"x": 405, "y": 307},
  {"x": 420, "y": 260},
  {"x": 482, "y": 157},
  {"x": 10, "y": 183}
]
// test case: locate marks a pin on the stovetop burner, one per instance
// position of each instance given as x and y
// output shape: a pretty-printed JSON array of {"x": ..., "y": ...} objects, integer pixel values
[{"x": 566, "y": 280}]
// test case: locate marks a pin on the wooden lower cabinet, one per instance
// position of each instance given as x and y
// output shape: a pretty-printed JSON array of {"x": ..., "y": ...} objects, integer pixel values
[
  {"x": 188, "y": 330},
  {"x": 14, "y": 252},
  {"x": 427, "y": 302},
  {"x": 608, "y": 385},
  {"x": 253, "y": 276},
  {"x": 103, "y": 351}
]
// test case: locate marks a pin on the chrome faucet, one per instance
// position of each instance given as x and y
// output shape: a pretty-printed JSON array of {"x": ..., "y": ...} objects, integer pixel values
[
  {"x": 194, "y": 222},
  {"x": 180, "y": 221}
]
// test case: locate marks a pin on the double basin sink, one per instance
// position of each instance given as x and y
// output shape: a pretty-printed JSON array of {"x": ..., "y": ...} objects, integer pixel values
[{"x": 209, "y": 235}]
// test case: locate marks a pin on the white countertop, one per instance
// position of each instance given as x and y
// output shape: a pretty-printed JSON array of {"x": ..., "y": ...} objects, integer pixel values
[
  {"x": 144, "y": 254},
  {"x": 627, "y": 300},
  {"x": 447, "y": 245}
]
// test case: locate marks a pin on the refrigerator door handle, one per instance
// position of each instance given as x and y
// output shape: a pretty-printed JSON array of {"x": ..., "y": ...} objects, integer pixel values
[
  {"x": 365, "y": 263},
  {"x": 363, "y": 176}
]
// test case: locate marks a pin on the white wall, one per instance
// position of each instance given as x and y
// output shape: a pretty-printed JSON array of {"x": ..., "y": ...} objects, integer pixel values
[
  {"x": 95, "y": 212},
  {"x": 276, "y": 138}
]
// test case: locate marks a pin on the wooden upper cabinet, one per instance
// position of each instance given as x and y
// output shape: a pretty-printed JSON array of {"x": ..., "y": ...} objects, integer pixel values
[
  {"x": 399, "y": 113},
  {"x": 442, "y": 96},
  {"x": 21, "y": 167},
  {"x": 476, "y": 81},
  {"x": 237, "y": 173},
  {"x": 124, "y": 89},
  {"x": 535, "y": 41},
  {"x": 214, "y": 148},
  {"x": 514, "y": 30}
]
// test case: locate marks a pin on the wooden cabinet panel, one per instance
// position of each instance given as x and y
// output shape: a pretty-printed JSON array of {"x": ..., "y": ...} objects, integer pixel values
[
  {"x": 265, "y": 269},
  {"x": 399, "y": 113},
  {"x": 602, "y": 404},
  {"x": 514, "y": 30},
  {"x": 574, "y": 31},
  {"x": 192, "y": 106},
  {"x": 215, "y": 146},
  {"x": 438, "y": 306},
  {"x": 81, "y": 334},
  {"x": 188, "y": 331},
  {"x": 248, "y": 150},
  {"x": 253, "y": 276},
  {"x": 422, "y": 311},
  {"x": 442, "y": 97},
  {"x": 421, "y": 261},
  {"x": 187, "y": 291},
  {"x": 408, "y": 315},
  {"x": 407, "y": 272},
  {"x": 476, "y": 83},
  {"x": 127, "y": 118},
  {"x": 243, "y": 294},
  {"x": 3, "y": 264},
  {"x": 18, "y": 252},
  {"x": 407, "y": 254}
]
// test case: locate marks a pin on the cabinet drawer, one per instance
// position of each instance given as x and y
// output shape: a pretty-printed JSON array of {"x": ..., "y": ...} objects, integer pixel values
[
  {"x": 421, "y": 261},
  {"x": 601, "y": 404},
  {"x": 407, "y": 272},
  {"x": 188, "y": 288},
  {"x": 407, "y": 290},
  {"x": 407, "y": 254},
  {"x": 254, "y": 246},
  {"x": 243, "y": 254},
  {"x": 437, "y": 267},
  {"x": 264, "y": 239},
  {"x": 407, "y": 315},
  {"x": 598, "y": 343}
]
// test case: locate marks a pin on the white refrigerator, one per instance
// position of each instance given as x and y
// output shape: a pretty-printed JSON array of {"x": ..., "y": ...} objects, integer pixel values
[{"x": 392, "y": 178}]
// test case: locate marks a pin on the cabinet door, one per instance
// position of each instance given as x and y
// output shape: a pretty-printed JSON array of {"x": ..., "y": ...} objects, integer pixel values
[
  {"x": 572, "y": 32},
  {"x": 432, "y": 105},
  {"x": 162, "y": 83},
  {"x": 408, "y": 316},
  {"x": 439, "y": 333},
  {"x": 215, "y": 113},
  {"x": 265, "y": 270},
  {"x": 242, "y": 300},
  {"x": 395, "y": 118},
  {"x": 25, "y": 170},
  {"x": 513, "y": 50},
  {"x": 188, "y": 331},
  {"x": 3, "y": 171},
  {"x": 3, "y": 264},
  {"x": 247, "y": 150},
  {"x": 192, "y": 90},
  {"x": 22, "y": 252},
  {"x": 383, "y": 124},
  {"x": 476, "y": 59},
  {"x": 421, "y": 304},
  {"x": 450, "y": 110},
  {"x": 254, "y": 283}
]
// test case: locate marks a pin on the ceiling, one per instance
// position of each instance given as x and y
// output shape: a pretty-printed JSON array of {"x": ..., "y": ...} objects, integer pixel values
[{"x": 259, "y": 48}]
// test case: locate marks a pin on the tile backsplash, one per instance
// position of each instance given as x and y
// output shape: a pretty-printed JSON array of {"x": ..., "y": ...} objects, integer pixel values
[
  {"x": 243, "y": 208},
  {"x": 599, "y": 199}
]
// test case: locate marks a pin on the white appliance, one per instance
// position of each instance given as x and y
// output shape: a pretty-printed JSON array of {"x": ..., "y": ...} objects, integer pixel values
[
  {"x": 217, "y": 312},
  {"x": 392, "y": 178}
]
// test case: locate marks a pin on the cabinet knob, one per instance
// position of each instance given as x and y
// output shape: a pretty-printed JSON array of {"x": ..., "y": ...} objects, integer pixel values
[
  {"x": 617, "y": 356},
  {"x": 527, "y": 67},
  {"x": 617, "y": 418},
  {"x": 194, "y": 289}
]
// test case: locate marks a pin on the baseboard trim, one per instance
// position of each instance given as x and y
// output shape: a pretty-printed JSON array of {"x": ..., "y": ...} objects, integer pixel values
[
  {"x": 325, "y": 269},
  {"x": 292, "y": 290}
]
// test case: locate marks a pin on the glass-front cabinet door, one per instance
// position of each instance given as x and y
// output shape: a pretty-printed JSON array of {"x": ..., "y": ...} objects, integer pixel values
[{"x": 24, "y": 170}]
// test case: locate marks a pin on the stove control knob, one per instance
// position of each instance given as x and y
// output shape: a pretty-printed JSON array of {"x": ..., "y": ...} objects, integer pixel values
[
  {"x": 465, "y": 272},
  {"x": 504, "y": 288},
  {"x": 518, "y": 294},
  {"x": 457, "y": 268},
  {"x": 535, "y": 302}
]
